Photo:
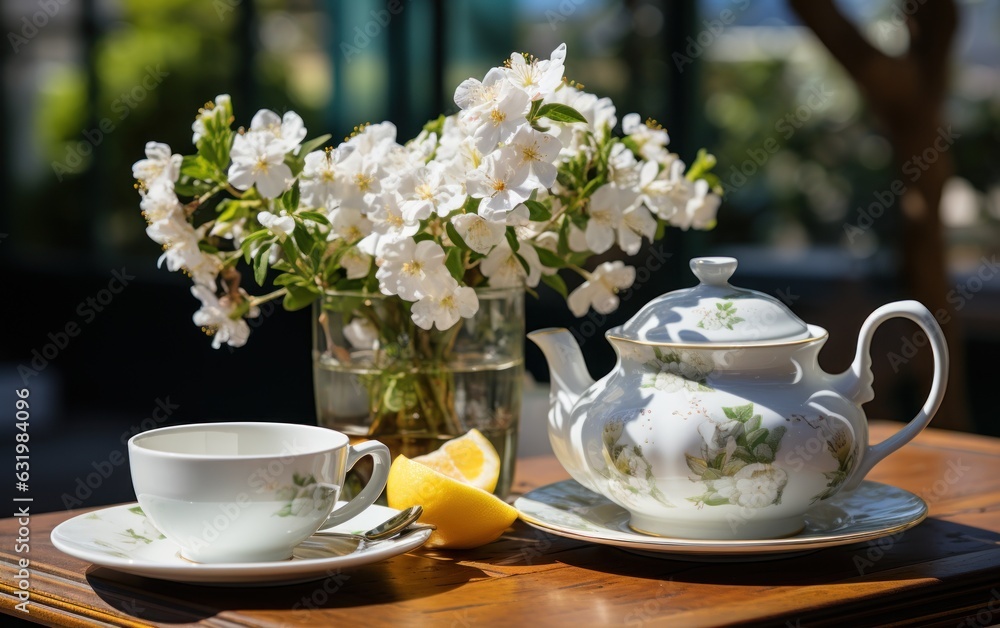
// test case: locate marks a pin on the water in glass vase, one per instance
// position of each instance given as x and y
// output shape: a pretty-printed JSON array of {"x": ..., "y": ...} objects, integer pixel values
[{"x": 413, "y": 410}]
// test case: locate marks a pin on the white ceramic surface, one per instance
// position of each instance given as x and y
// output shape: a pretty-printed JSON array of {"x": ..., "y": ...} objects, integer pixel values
[
  {"x": 872, "y": 511},
  {"x": 247, "y": 492},
  {"x": 123, "y": 538},
  {"x": 710, "y": 439}
]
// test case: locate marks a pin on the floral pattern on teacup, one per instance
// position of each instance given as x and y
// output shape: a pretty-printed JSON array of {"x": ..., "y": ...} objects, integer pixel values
[
  {"x": 124, "y": 541},
  {"x": 736, "y": 462},
  {"x": 303, "y": 497}
]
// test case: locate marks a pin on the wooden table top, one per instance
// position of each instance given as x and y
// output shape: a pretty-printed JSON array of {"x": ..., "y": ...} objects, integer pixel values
[{"x": 945, "y": 571}]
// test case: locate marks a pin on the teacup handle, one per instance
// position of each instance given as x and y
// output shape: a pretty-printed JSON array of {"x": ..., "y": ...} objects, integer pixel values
[
  {"x": 371, "y": 491},
  {"x": 860, "y": 378}
]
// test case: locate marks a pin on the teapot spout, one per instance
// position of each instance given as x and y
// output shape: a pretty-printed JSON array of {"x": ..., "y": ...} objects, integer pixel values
[{"x": 569, "y": 380}]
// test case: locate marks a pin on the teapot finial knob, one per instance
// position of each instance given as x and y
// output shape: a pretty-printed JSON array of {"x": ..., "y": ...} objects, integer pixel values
[{"x": 713, "y": 271}]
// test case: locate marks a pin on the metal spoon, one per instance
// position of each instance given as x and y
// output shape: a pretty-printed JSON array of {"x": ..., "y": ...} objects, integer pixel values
[
  {"x": 388, "y": 528},
  {"x": 326, "y": 544}
]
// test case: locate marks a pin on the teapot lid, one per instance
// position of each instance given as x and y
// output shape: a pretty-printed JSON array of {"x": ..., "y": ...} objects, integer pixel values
[{"x": 713, "y": 312}]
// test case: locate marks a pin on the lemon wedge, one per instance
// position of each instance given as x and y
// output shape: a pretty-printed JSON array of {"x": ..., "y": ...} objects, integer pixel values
[
  {"x": 470, "y": 458},
  {"x": 466, "y": 516}
]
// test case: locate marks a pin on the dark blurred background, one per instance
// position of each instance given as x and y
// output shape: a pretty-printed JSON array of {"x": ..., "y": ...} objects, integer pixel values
[{"x": 86, "y": 83}]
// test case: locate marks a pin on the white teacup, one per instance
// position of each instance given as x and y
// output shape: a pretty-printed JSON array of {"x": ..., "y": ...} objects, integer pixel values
[{"x": 247, "y": 492}]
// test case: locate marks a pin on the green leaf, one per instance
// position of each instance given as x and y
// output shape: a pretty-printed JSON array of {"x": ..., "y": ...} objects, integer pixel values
[
  {"x": 250, "y": 239},
  {"x": 260, "y": 267},
  {"x": 702, "y": 165},
  {"x": 455, "y": 264},
  {"x": 314, "y": 216},
  {"x": 313, "y": 144},
  {"x": 287, "y": 279},
  {"x": 563, "y": 246},
  {"x": 774, "y": 439},
  {"x": 436, "y": 125},
  {"x": 716, "y": 500},
  {"x": 556, "y": 282},
  {"x": 756, "y": 437},
  {"x": 697, "y": 465},
  {"x": 537, "y": 211},
  {"x": 453, "y": 235},
  {"x": 548, "y": 258},
  {"x": 661, "y": 230},
  {"x": 299, "y": 297},
  {"x": 196, "y": 167},
  {"x": 290, "y": 199},
  {"x": 560, "y": 113},
  {"x": 471, "y": 205},
  {"x": 191, "y": 187},
  {"x": 533, "y": 112},
  {"x": 524, "y": 264},
  {"x": 763, "y": 453},
  {"x": 512, "y": 241}
]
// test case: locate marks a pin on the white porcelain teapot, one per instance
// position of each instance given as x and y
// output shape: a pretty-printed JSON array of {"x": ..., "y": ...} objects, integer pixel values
[{"x": 717, "y": 421}]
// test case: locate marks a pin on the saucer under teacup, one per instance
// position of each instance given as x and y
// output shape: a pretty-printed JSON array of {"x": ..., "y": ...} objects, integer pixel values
[
  {"x": 870, "y": 512},
  {"x": 123, "y": 538}
]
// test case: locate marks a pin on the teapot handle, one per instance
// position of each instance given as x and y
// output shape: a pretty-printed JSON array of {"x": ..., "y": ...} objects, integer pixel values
[{"x": 859, "y": 381}]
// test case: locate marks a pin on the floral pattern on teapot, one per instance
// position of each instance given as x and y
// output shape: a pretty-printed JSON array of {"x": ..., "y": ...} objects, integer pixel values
[
  {"x": 736, "y": 461},
  {"x": 629, "y": 474},
  {"x": 673, "y": 370},
  {"x": 724, "y": 315}
]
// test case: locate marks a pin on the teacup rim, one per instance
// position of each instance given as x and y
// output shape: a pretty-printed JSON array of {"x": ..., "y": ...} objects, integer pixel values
[{"x": 134, "y": 443}]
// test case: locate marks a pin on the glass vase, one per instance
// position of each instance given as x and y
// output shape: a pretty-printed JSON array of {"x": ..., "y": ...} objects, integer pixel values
[{"x": 377, "y": 375}]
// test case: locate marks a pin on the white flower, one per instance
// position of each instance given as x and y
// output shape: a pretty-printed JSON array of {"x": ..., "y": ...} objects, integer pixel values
[
  {"x": 759, "y": 485},
  {"x": 501, "y": 184},
  {"x": 426, "y": 190},
  {"x": 700, "y": 210},
  {"x": 181, "y": 251},
  {"x": 318, "y": 181},
  {"x": 215, "y": 318},
  {"x": 221, "y": 107},
  {"x": 288, "y": 130},
  {"x": 502, "y": 120},
  {"x": 505, "y": 270},
  {"x": 356, "y": 263},
  {"x": 665, "y": 193},
  {"x": 388, "y": 218},
  {"x": 280, "y": 225},
  {"x": 650, "y": 139},
  {"x": 412, "y": 269},
  {"x": 159, "y": 165},
  {"x": 360, "y": 177},
  {"x": 444, "y": 305},
  {"x": 601, "y": 290},
  {"x": 674, "y": 376},
  {"x": 537, "y": 152},
  {"x": 539, "y": 78},
  {"x": 480, "y": 234},
  {"x": 636, "y": 223},
  {"x": 258, "y": 158},
  {"x": 348, "y": 224},
  {"x": 473, "y": 94},
  {"x": 159, "y": 201},
  {"x": 605, "y": 210}
]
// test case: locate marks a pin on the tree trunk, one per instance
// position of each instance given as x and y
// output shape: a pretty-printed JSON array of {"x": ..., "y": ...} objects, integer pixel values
[{"x": 907, "y": 93}]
